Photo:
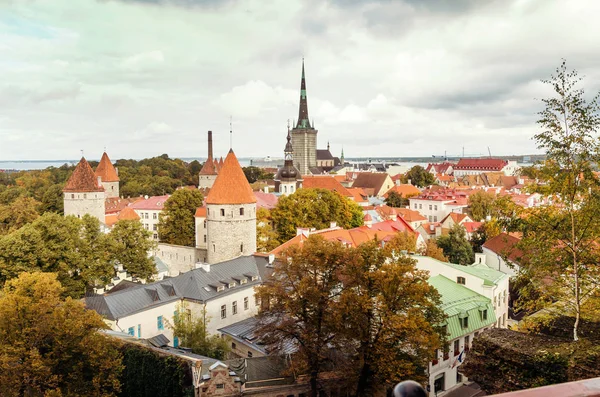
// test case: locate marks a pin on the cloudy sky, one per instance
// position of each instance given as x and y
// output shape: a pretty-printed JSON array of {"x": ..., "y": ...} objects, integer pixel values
[{"x": 384, "y": 77}]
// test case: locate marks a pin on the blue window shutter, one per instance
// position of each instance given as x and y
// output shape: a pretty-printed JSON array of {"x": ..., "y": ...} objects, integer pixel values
[
  {"x": 131, "y": 331},
  {"x": 139, "y": 330},
  {"x": 175, "y": 341},
  {"x": 159, "y": 322}
]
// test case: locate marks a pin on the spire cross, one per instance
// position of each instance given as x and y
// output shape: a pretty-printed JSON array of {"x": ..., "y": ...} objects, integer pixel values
[
  {"x": 230, "y": 134},
  {"x": 81, "y": 150}
]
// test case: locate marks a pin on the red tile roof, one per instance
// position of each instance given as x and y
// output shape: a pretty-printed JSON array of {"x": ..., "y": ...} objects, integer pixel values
[
  {"x": 481, "y": 164},
  {"x": 265, "y": 200},
  {"x": 83, "y": 179},
  {"x": 209, "y": 167},
  {"x": 410, "y": 215},
  {"x": 231, "y": 185},
  {"x": 471, "y": 227},
  {"x": 505, "y": 245},
  {"x": 360, "y": 196},
  {"x": 326, "y": 182},
  {"x": 126, "y": 214},
  {"x": 116, "y": 204},
  {"x": 151, "y": 203},
  {"x": 200, "y": 212},
  {"x": 106, "y": 171}
]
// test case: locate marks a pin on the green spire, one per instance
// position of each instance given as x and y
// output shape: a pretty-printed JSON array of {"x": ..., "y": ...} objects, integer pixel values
[{"x": 303, "y": 121}]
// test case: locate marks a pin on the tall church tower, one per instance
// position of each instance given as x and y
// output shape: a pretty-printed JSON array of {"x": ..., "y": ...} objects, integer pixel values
[
  {"x": 83, "y": 193},
  {"x": 304, "y": 136},
  {"x": 108, "y": 176},
  {"x": 288, "y": 178},
  {"x": 230, "y": 214}
]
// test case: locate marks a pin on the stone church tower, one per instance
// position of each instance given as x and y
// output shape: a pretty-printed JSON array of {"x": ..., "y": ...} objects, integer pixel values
[
  {"x": 288, "y": 178},
  {"x": 109, "y": 177},
  {"x": 209, "y": 171},
  {"x": 304, "y": 137},
  {"x": 230, "y": 214},
  {"x": 84, "y": 194}
]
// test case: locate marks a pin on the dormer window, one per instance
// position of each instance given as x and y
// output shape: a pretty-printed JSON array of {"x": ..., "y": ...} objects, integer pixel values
[
  {"x": 254, "y": 278},
  {"x": 243, "y": 281},
  {"x": 220, "y": 288},
  {"x": 231, "y": 285},
  {"x": 460, "y": 280}
]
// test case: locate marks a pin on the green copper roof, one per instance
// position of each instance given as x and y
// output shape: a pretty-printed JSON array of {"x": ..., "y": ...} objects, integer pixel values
[
  {"x": 489, "y": 276},
  {"x": 459, "y": 302}
]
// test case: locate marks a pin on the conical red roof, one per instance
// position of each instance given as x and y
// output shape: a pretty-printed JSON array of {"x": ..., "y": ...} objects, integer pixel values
[
  {"x": 209, "y": 167},
  {"x": 106, "y": 171},
  {"x": 231, "y": 185},
  {"x": 83, "y": 179}
]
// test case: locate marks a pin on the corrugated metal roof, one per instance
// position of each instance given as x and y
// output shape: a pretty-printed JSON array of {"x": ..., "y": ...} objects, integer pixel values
[
  {"x": 189, "y": 285},
  {"x": 245, "y": 332},
  {"x": 457, "y": 301},
  {"x": 489, "y": 276}
]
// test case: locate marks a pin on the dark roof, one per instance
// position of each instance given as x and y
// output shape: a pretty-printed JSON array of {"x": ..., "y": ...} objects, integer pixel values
[
  {"x": 324, "y": 154},
  {"x": 159, "y": 340},
  {"x": 195, "y": 284},
  {"x": 123, "y": 285},
  {"x": 262, "y": 371}
]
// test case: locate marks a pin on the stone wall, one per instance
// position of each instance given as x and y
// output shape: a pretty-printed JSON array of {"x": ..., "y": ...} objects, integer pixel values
[
  {"x": 304, "y": 144},
  {"x": 79, "y": 204},
  {"x": 206, "y": 181},
  {"x": 231, "y": 231},
  {"x": 111, "y": 189},
  {"x": 179, "y": 258}
]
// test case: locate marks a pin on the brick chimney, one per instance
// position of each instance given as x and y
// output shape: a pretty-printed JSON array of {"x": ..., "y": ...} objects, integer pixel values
[{"x": 210, "y": 147}]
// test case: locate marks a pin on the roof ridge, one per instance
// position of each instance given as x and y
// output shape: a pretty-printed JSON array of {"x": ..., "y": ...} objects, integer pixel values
[
  {"x": 83, "y": 179},
  {"x": 231, "y": 185}
]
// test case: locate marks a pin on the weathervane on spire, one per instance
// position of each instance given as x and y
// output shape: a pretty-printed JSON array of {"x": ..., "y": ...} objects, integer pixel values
[
  {"x": 81, "y": 150},
  {"x": 230, "y": 133}
]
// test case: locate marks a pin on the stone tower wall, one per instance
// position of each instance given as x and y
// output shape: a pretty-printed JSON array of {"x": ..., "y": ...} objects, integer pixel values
[
  {"x": 230, "y": 234},
  {"x": 304, "y": 144},
  {"x": 111, "y": 189},
  {"x": 79, "y": 204},
  {"x": 206, "y": 181}
]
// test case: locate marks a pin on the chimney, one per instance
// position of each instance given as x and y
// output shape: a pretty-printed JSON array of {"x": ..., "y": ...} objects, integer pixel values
[
  {"x": 99, "y": 181},
  {"x": 410, "y": 182},
  {"x": 117, "y": 170},
  {"x": 210, "y": 151},
  {"x": 271, "y": 259},
  {"x": 398, "y": 182},
  {"x": 266, "y": 189},
  {"x": 205, "y": 267},
  {"x": 332, "y": 224}
]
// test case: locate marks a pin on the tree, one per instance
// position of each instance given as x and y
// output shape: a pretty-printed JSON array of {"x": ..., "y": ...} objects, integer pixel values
[
  {"x": 432, "y": 250},
  {"x": 389, "y": 315},
  {"x": 176, "y": 223},
  {"x": 480, "y": 205},
  {"x": 314, "y": 208},
  {"x": 191, "y": 332},
  {"x": 131, "y": 244},
  {"x": 301, "y": 302},
  {"x": 419, "y": 176},
  {"x": 266, "y": 237},
  {"x": 563, "y": 238},
  {"x": 456, "y": 247},
  {"x": 14, "y": 216},
  {"x": 396, "y": 200},
  {"x": 50, "y": 346},
  {"x": 486, "y": 231},
  {"x": 402, "y": 242},
  {"x": 73, "y": 248}
]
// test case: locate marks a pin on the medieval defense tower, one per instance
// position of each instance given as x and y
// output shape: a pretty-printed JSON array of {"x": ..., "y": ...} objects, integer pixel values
[
  {"x": 109, "y": 177},
  {"x": 230, "y": 214},
  {"x": 83, "y": 193},
  {"x": 304, "y": 136}
]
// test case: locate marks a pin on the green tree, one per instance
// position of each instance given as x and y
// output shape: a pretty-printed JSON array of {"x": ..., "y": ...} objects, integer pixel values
[
  {"x": 301, "y": 304},
  {"x": 456, "y": 247},
  {"x": 396, "y": 200},
  {"x": 266, "y": 237},
  {"x": 402, "y": 242},
  {"x": 480, "y": 205},
  {"x": 176, "y": 223},
  {"x": 19, "y": 213},
  {"x": 73, "y": 248},
  {"x": 52, "y": 199},
  {"x": 191, "y": 331},
  {"x": 388, "y": 315},
  {"x": 314, "y": 208},
  {"x": 50, "y": 346},
  {"x": 419, "y": 176},
  {"x": 486, "y": 231},
  {"x": 131, "y": 244},
  {"x": 563, "y": 238}
]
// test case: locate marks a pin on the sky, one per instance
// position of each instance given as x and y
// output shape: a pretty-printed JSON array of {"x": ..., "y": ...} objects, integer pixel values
[{"x": 384, "y": 77}]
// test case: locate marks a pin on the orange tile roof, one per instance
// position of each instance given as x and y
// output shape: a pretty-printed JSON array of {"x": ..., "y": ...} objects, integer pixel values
[
  {"x": 410, "y": 215},
  {"x": 106, "y": 171},
  {"x": 471, "y": 227},
  {"x": 200, "y": 212},
  {"x": 209, "y": 167},
  {"x": 116, "y": 204},
  {"x": 126, "y": 214},
  {"x": 506, "y": 245},
  {"x": 405, "y": 190},
  {"x": 358, "y": 193},
  {"x": 83, "y": 179},
  {"x": 231, "y": 185},
  {"x": 325, "y": 182}
]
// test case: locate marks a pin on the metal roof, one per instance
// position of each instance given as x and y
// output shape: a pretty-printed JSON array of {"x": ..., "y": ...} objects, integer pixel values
[
  {"x": 189, "y": 285},
  {"x": 489, "y": 276},
  {"x": 457, "y": 302}
]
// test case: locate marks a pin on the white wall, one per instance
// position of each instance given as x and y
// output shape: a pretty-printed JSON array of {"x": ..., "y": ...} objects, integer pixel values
[
  {"x": 149, "y": 219},
  {"x": 495, "y": 261},
  {"x": 178, "y": 258},
  {"x": 148, "y": 321}
]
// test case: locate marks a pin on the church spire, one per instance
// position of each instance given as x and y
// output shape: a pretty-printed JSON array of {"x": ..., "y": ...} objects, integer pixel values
[
  {"x": 288, "y": 146},
  {"x": 303, "y": 121}
]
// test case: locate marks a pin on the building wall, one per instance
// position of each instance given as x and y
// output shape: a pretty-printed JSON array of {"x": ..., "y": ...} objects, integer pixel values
[
  {"x": 111, "y": 189},
  {"x": 499, "y": 295},
  {"x": 304, "y": 144},
  {"x": 148, "y": 321},
  {"x": 178, "y": 258},
  {"x": 206, "y": 181},
  {"x": 79, "y": 204},
  {"x": 496, "y": 262},
  {"x": 230, "y": 234},
  {"x": 149, "y": 219},
  {"x": 286, "y": 188},
  {"x": 240, "y": 349},
  {"x": 200, "y": 231},
  {"x": 433, "y": 210},
  {"x": 387, "y": 185}
]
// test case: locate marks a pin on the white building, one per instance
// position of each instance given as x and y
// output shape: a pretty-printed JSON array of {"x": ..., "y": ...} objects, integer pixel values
[
  {"x": 435, "y": 208},
  {"x": 501, "y": 253},
  {"x": 149, "y": 210},
  {"x": 224, "y": 290}
]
